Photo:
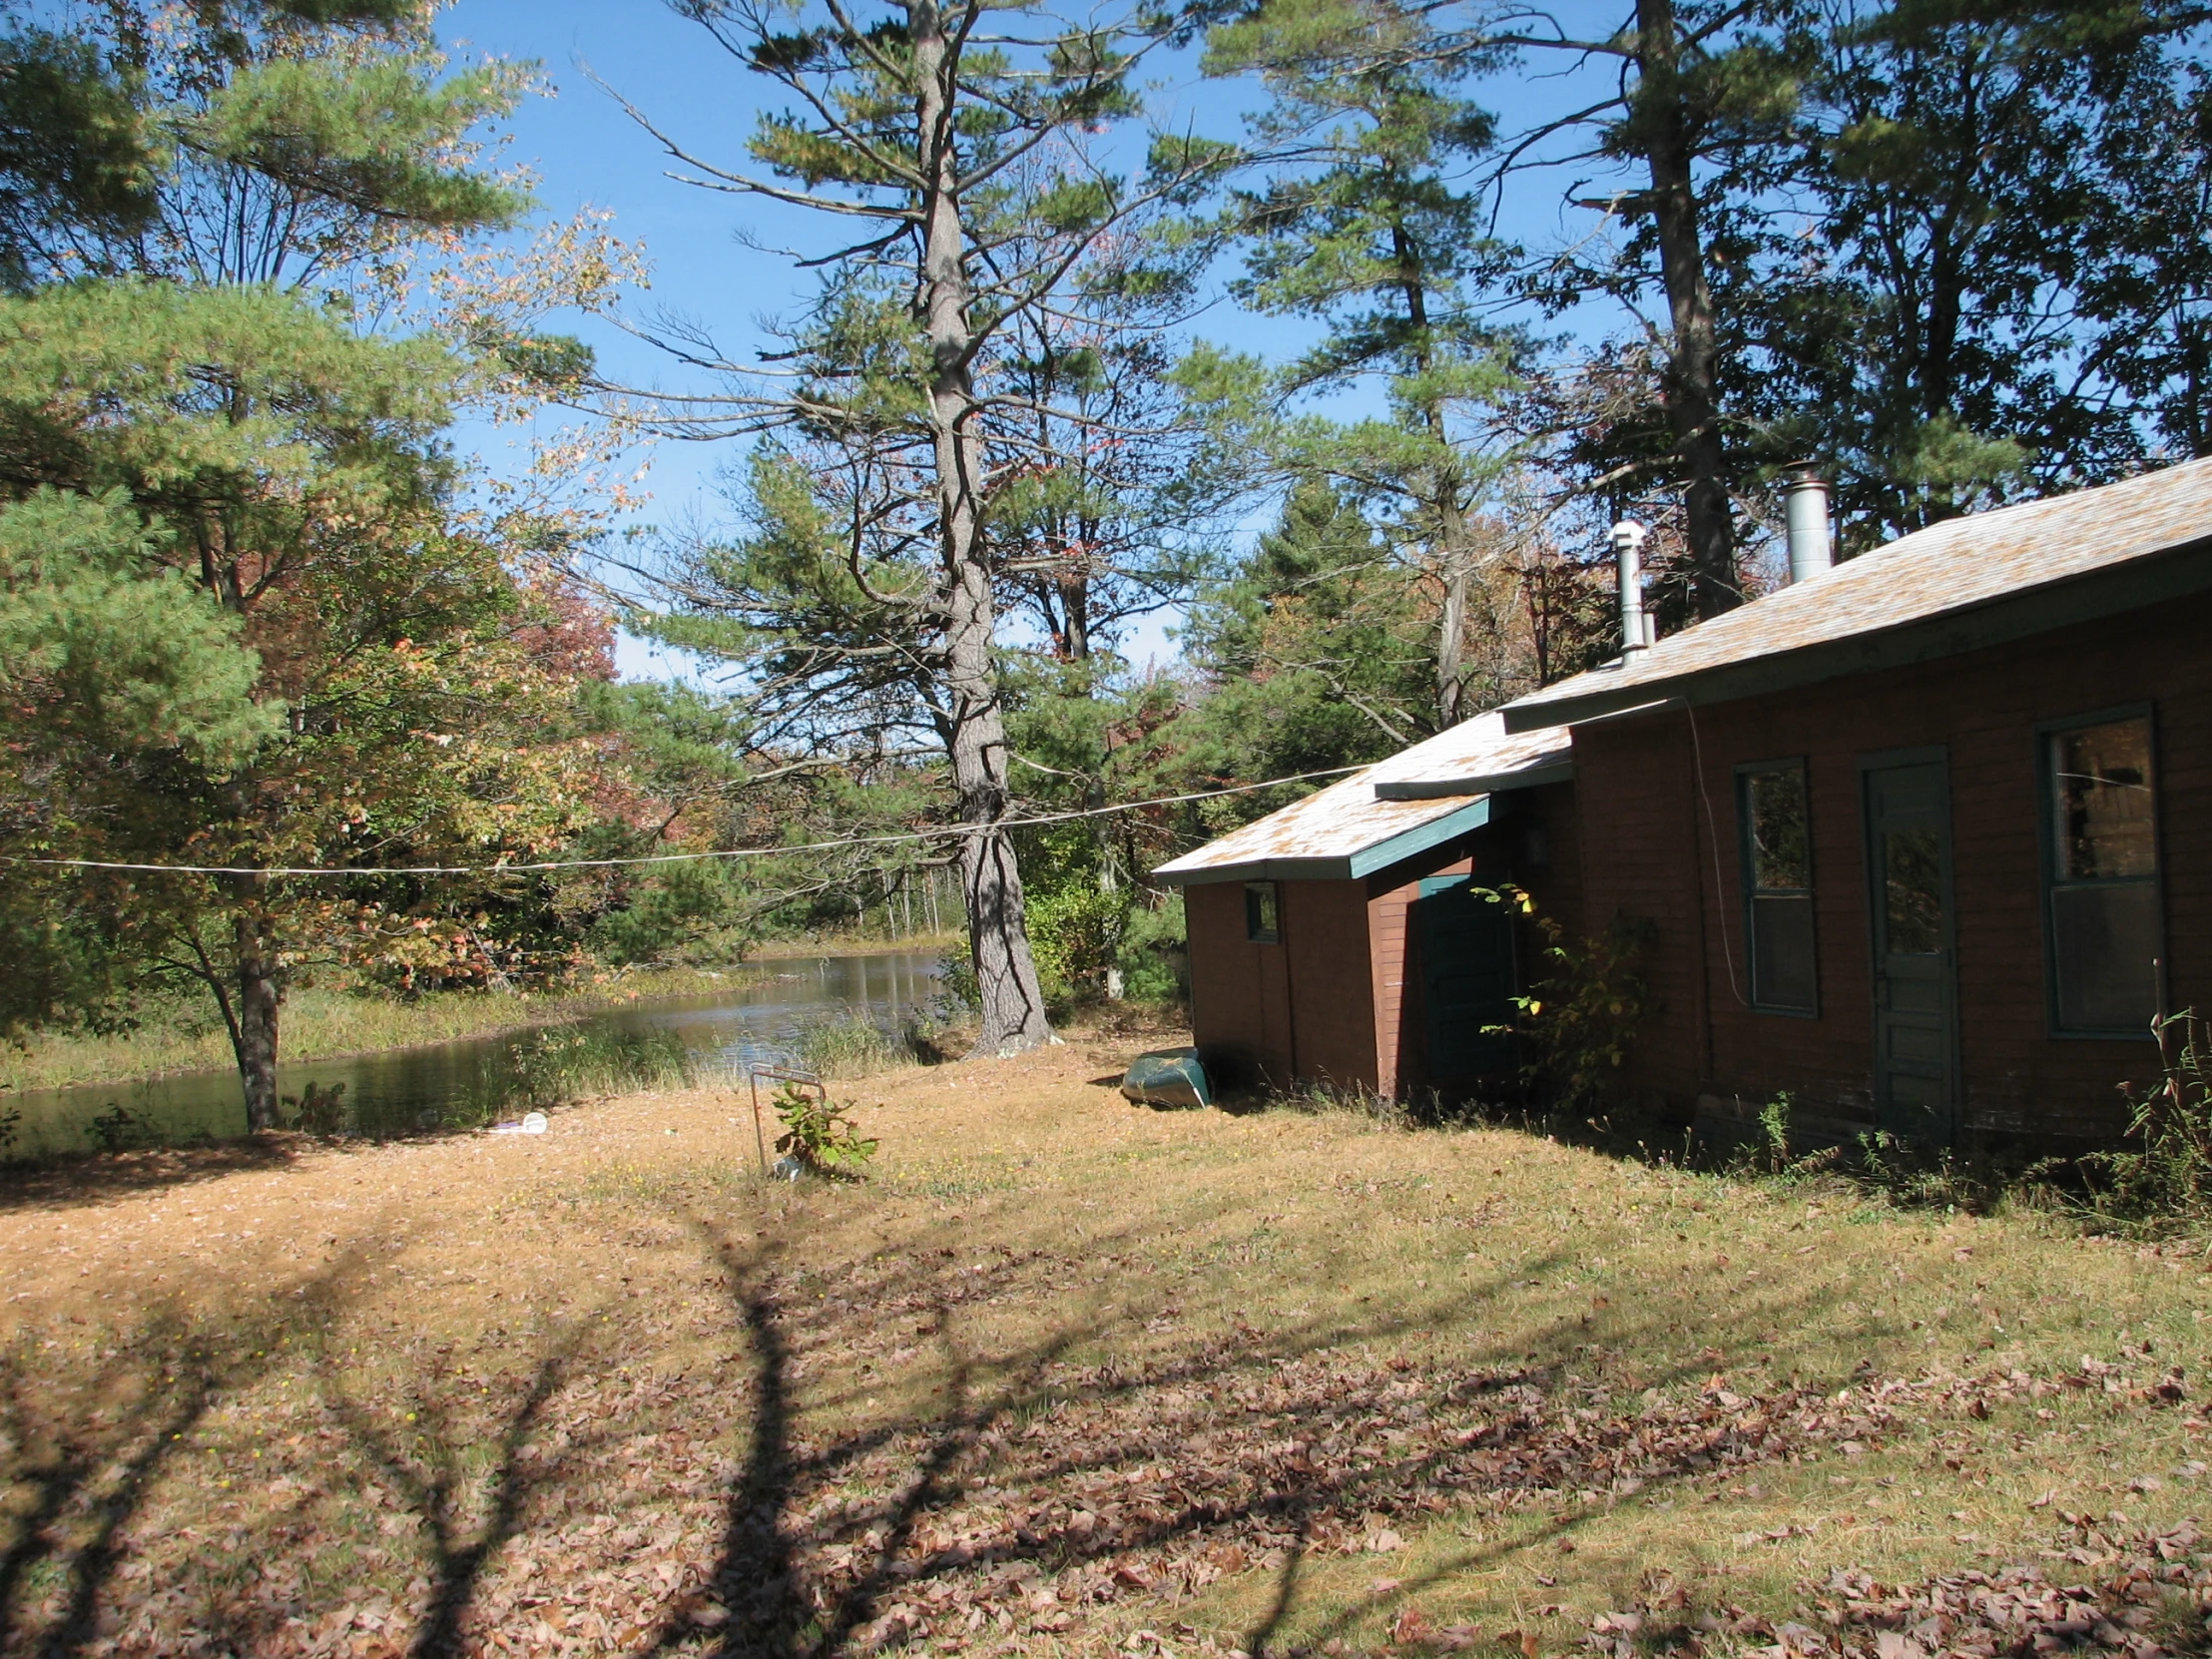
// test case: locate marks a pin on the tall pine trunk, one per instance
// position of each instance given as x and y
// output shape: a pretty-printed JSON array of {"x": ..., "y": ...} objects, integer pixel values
[
  {"x": 1013, "y": 1015},
  {"x": 251, "y": 1007},
  {"x": 1692, "y": 376},
  {"x": 1447, "y": 502}
]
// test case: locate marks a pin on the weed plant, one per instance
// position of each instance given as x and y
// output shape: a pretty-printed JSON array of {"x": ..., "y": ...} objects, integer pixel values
[
  {"x": 821, "y": 1136},
  {"x": 2161, "y": 1183},
  {"x": 318, "y": 1109}
]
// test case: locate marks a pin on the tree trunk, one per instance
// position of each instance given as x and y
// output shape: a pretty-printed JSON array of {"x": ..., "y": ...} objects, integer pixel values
[
  {"x": 254, "y": 1031},
  {"x": 1692, "y": 377},
  {"x": 1446, "y": 489},
  {"x": 999, "y": 941},
  {"x": 1451, "y": 690}
]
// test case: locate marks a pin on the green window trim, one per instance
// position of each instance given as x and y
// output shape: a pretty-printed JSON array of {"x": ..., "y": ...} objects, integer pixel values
[
  {"x": 1774, "y": 838},
  {"x": 1263, "y": 912},
  {"x": 2092, "y": 920}
]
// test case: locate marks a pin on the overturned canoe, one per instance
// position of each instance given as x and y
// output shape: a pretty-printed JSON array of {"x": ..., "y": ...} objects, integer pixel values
[{"x": 1167, "y": 1077}]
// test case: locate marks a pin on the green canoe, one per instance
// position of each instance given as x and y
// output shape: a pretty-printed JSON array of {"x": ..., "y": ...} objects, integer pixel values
[{"x": 1167, "y": 1077}]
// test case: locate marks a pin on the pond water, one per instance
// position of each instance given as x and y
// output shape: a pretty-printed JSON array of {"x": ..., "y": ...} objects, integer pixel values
[{"x": 757, "y": 1021}]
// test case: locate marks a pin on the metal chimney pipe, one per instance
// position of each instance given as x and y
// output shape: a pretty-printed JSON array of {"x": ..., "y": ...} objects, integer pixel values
[
  {"x": 1804, "y": 511},
  {"x": 1628, "y": 548}
]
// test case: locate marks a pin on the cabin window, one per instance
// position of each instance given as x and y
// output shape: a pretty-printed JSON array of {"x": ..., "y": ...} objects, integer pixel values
[
  {"x": 1262, "y": 917},
  {"x": 2101, "y": 901},
  {"x": 1776, "y": 825}
]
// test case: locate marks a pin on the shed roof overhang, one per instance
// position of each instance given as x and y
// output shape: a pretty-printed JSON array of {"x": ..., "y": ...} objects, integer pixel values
[
  {"x": 1558, "y": 770},
  {"x": 1352, "y": 867},
  {"x": 2021, "y": 614}
]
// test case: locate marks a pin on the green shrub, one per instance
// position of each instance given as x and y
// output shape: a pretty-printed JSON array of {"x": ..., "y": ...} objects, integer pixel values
[
  {"x": 1075, "y": 933},
  {"x": 1155, "y": 954},
  {"x": 958, "y": 993},
  {"x": 821, "y": 1136},
  {"x": 1584, "y": 1013}
]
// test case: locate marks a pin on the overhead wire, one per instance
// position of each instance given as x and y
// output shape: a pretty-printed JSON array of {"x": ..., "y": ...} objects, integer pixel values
[{"x": 541, "y": 866}]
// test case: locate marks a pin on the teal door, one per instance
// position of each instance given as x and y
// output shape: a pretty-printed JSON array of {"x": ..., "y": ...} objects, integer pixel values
[
  {"x": 1915, "y": 1000},
  {"x": 1467, "y": 980}
]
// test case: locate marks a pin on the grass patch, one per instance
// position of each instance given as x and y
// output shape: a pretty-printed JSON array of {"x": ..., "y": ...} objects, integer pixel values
[
  {"x": 1068, "y": 1371},
  {"x": 857, "y": 1048},
  {"x": 185, "y": 1035}
]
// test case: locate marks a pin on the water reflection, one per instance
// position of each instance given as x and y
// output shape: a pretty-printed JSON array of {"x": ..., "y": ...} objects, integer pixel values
[{"x": 758, "y": 1019}]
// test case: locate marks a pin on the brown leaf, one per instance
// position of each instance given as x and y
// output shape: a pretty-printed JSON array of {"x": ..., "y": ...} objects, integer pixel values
[{"x": 1411, "y": 1625}]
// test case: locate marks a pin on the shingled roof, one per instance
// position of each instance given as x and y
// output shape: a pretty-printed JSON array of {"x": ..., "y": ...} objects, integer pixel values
[
  {"x": 1421, "y": 798},
  {"x": 1959, "y": 586}
]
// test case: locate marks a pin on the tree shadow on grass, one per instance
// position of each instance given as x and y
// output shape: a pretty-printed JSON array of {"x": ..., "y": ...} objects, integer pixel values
[
  {"x": 87, "y": 1453},
  {"x": 885, "y": 1531},
  {"x": 771, "y": 1612},
  {"x": 433, "y": 1483},
  {"x": 69, "y": 1181}
]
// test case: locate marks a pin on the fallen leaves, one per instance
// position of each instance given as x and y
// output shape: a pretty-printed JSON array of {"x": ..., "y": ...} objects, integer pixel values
[{"x": 2148, "y": 1599}]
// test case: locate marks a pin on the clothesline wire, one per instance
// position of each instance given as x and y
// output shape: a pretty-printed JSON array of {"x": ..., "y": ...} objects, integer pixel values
[{"x": 948, "y": 834}]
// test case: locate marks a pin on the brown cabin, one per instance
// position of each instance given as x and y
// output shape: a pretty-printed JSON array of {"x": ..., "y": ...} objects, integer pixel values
[
  {"x": 1927, "y": 837},
  {"x": 1923, "y": 840},
  {"x": 1350, "y": 940}
]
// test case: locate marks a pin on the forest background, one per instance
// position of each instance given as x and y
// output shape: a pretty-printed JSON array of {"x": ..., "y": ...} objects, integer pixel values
[{"x": 1317, "y": 340}]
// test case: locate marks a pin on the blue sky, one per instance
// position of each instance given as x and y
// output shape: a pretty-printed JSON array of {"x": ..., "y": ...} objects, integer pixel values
[{"x": 589, "y": 153}]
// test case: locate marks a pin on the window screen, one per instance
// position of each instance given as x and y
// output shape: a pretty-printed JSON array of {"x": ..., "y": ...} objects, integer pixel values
[
  {"x": 1261, "y": 923},
  {"x": 1777, "y": 886},
  {"x": 2103, "y": 904}
]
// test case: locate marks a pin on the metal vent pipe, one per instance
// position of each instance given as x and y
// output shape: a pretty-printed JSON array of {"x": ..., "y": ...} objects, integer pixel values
[
  {"x": 1804, "y": 511},
  {"x": 1628, "y": 549}
]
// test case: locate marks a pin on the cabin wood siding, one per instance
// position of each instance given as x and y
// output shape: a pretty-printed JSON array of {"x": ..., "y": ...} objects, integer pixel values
[
  {"x": 1650, "y": 851},
  {"x": 1324, "y": 937},
  {"x": 1270, "y": 1015},
  {"x": 1240, "y": 1003}
]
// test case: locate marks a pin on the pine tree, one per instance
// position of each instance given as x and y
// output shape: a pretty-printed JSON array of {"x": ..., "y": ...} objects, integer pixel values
[
  {"x": 192, "y": 444},
  {"x": 957, "y": 139},
  {"x": 1366, "y": 229}
]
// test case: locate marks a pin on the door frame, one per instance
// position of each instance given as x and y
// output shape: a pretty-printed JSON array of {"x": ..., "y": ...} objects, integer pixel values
[{"x": 1869, "y": 856}]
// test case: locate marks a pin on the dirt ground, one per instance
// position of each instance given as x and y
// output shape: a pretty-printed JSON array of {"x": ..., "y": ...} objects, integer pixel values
[{"x": 1073, "y": 1376}]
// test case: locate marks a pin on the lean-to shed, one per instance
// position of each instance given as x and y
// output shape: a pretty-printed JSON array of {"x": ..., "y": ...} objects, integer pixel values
[{"x": 1342, "y": 941}]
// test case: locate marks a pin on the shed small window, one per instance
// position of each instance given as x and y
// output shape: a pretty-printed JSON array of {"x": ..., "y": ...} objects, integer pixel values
[
  {"x": 1261, "y": 923},
  {"x": 2102, "y": 903},
  {"x": 1776, "y": 825}
]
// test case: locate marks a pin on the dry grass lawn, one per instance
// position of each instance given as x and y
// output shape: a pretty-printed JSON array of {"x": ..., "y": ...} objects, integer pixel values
[{"x": 1070, "y": 1377}]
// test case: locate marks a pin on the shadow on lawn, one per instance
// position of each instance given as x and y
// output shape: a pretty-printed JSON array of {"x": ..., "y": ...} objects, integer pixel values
[
  {"x": 69, "y": 1180},
  {"x": 432, "y": 1483},
  {"x": 915, "y": 1540},
  {"x": 1053, "y": 1474},
  {"x": 86, "y": 1474},
  {"x": 756, "y": 1576},
  {"x": 82, "y": 1478}
]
